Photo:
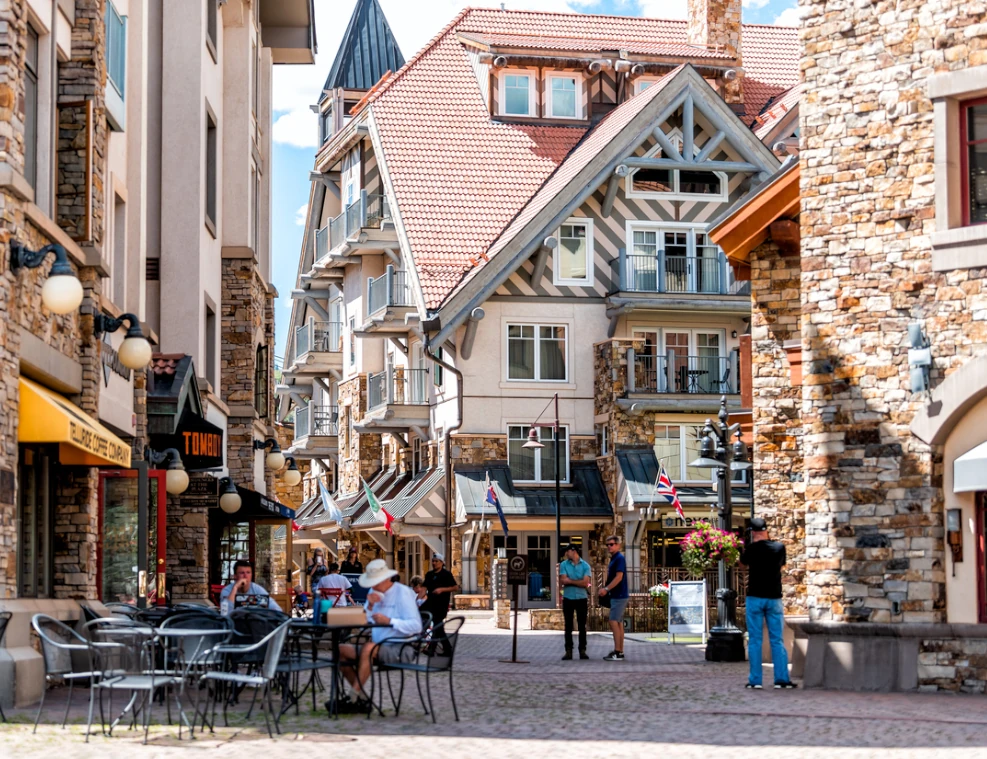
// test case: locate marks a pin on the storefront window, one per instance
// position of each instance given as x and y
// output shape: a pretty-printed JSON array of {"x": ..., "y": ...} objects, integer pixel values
[
  {"x": 234, "y": 545},
  {"x": 510, "y": 543},
  {"x": 539, "y": 567},
  {"x": 36, "y": 506},
  {"x": 120, "y": 542}
]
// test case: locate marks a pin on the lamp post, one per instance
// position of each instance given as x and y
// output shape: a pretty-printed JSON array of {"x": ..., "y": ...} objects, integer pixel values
[
  {"x": 62, "y": 291},
  {"x": 533, "y": 444},
  {"x": 726, "y": 641},
  {"x": 292, "y": 475},
  {"x": 229, "y": 498},
  {"x": 135, "y": 352},
  {"x": 275, "y": 459}
]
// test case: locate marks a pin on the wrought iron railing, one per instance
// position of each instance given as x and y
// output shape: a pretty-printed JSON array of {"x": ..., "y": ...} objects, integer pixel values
[
  {"x": 673, "y": 274},
  {"x": 673, "y": 373},
  {"x": 401, "y": 386},
  {"x": 389, "y": 289},
  {"x": 318, "y": 420}
]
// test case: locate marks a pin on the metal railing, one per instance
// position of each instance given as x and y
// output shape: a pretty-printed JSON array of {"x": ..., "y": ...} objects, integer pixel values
[
  {"x": 321, "y": 242},
  {"x": 389, "y": 289},
  {"x": 321, "y": 337},
  {"x": 400, "y": 386},
  {"x": 316, "y": 420},
  {"x": 369, "y": 211},
  {"x": 673, "y": 373},
  {"x": 673, "y": 274},
  {"x": 377, "y": 211}
]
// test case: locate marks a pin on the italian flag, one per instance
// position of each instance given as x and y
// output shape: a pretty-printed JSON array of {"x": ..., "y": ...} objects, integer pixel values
[{"x": 379, "y": 511}]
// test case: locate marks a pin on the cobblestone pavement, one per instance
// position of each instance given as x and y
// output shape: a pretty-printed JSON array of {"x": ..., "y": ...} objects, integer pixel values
[{"x": 661, "y": 701}]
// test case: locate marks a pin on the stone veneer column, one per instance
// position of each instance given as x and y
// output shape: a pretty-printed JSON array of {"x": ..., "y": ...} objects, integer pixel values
[
  {"x": 874, "y": 533},
  {"x": 717, "y": 24},
  {"x": 779, "y": 490}
]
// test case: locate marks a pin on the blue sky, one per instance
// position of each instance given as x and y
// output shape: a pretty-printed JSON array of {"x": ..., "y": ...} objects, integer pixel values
[{"x": 414, "y": 23}]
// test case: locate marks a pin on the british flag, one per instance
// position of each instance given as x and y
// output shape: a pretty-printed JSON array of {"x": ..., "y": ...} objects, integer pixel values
[{"x": 665, "y": 488}]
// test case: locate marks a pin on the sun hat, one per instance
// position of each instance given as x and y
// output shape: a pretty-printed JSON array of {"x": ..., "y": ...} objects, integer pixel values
[{"x": 377, "y": 572}]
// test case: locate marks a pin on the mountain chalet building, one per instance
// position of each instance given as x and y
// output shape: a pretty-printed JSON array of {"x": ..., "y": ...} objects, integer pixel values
[{"x": 520, "y": 210}]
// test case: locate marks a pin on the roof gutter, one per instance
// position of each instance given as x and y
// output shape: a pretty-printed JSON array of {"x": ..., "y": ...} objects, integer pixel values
[{"x": 447, "y": 446}]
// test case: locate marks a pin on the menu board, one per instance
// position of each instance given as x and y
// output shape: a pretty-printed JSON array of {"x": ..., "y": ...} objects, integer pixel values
[{"x": 687, "y": 609}]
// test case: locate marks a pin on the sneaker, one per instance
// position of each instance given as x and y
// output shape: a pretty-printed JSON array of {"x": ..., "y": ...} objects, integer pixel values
[
  {"x": 567, "y": 656},
  {"x": 785, "y": 686},
  {"x": 751, "y": 686},
  {"x": 583, "y": 655},
  {"x": 614, "y": 656}
]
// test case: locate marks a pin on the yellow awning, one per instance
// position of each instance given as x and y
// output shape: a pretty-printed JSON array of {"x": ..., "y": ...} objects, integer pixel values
[{"x": 46, "y": 417}]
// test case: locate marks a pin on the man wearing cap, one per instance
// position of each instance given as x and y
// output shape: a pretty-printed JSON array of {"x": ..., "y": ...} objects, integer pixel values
[
  {"x": 574, "y": 577},
  {"x": 764, "y": 559},
  {"x": 388, "y": 603},
  {"x": 439, "y": 584}
]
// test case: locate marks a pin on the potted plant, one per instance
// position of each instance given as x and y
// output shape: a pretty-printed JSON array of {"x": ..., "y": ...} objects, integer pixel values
[
  {"x": 705, "y": 546},
  {"x": 659, "y": 592}
]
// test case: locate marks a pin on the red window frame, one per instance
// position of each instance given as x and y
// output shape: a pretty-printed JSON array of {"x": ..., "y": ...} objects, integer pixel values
[
  {"x": 981, "y": 539},
  {"x": 965, "y": 144}
]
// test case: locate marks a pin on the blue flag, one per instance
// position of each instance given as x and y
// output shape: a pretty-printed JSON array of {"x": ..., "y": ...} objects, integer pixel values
[
  {"x": 494, "y": 501},
  {"x": 329, "y": 505}
]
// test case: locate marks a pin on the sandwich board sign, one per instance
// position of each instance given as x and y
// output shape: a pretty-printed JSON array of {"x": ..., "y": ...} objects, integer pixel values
[{"x": 686, "y": 609}]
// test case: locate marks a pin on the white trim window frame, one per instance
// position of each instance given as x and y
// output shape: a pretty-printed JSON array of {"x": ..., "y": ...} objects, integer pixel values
[
  {"x": 565, "y": 232},
  {"x": 502, "y": 84},
  {"x": 642, "y": 83},
  {"x": 675, "y": 175},
  {"x": 521, "y": 334},
  {"x": 577, "y": 98},
  {"x": 695, "y": 274},
  {"x": 518, "y": 433},
  {"x": 686, "y": 432}
]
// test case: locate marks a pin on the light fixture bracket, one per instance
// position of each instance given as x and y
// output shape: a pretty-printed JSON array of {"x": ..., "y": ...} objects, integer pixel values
[
  {"x": 103, "y": 323},
  {"x": 23, "y": 258}
]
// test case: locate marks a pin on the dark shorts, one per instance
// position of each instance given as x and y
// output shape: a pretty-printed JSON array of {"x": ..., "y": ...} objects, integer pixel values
[
  {"x": 394, "y": 653},
  {"x": 617, "y": 606}
]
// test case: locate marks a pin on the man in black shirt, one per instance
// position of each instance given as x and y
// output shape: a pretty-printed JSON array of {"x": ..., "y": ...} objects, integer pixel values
[
  {"x": 764, "y": 559},
  {"x": 439, "y": 584}
]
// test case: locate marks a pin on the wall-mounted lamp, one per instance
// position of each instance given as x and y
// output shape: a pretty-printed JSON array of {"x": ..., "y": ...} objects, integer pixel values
[
  {"x": 135, "y": 352},
  {"x": 176, "y": 478},
  {"x": 954, "y": 533},
  {"x": 919, "y": 358},
  {"x": 734, "y": 334},
  {"x": 292, "y": 476},
  {"x": 275, "y": 459},
  {"x": 229, "y": 498},
  {"x": 62, "y": 291}
]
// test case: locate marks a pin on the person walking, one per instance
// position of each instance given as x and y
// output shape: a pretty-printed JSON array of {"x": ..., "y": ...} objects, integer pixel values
[
  {"x": 317, "y": 568},
  {"x": 616, "y": 589},
  {"x": 764, "y": 559},
  {"x": 575, "y": 579}
]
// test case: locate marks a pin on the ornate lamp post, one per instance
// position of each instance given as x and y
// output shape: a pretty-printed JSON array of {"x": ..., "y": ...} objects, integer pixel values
[
  {"x": 534, "y": 443},
  {"x": 275, "y": 459},
  {"x": 726, "y": 641}
]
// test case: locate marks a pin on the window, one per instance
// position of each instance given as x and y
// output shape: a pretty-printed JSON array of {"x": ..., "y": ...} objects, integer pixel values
[
  {"x": 603, "y": 439},
  {"x": 677, "y": 445},
  {"x": 210, "y": 340},
  {"x": 574, "y": 255},
  {"x": 517, "y": 93},
  {"x": 674, "y": 184},
  {"x": 437, "y": 370},
  {"x": 36, "y": 496},
  {"x": 116, "y": 49},
  {"x": 537, "y": 464},
  {"x": 564, "y": 97},
  {"x": 676, "y": 259},
  {"x": 642, "y": 84},
  {"x": 118, "y": 265},
  {"x": 261, "y": 381},
  {"x": 973, "y": 156},
  {"x": 31, "y": 108},
  {"x": 255, "y": 75},
  {"x": 536, "y": 352},
  {"x": 211, "y": 170},
  {"x": 325, "y": 125},
  {"x": 352, "y": 341},
  {"x": 212, "y": 26}
]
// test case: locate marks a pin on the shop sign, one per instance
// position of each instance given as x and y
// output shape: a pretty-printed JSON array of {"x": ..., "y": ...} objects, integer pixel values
[
  {"x": 672, "y": 521},
  {"x": 198, "y": 441},
  {"x": 111, "y": 361},
  {"x": 517, "y": 570},
  {"x": 91, "y": 441}
]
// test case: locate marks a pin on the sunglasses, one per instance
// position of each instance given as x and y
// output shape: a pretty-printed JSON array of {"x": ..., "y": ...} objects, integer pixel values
[{"x": 611, "y": 544}]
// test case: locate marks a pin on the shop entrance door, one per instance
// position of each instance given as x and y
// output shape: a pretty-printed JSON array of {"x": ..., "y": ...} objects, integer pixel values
[
  {"x": 541, "y": 565},
  {"x": 981, "y": 537},
  {"x": 272, "y": 559},
  {"x": 131, "y": 548}
]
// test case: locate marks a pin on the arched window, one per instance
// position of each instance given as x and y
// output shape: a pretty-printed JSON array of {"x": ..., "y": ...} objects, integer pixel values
[{"x": 261, "y": 381}]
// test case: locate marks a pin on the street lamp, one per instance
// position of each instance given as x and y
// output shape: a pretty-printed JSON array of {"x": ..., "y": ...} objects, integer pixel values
[
  {"x": 275, "y": 459},
  {"x": 533, "y": 444},
  {"x": 176, "y": 478},
  {"x": 229, "y": 498},
  {"x": 292, "y": 476},
  {"x": 726, "y": 641},
  {"x": 135, "y": 351},
  {"x": 62, "y": 291}
]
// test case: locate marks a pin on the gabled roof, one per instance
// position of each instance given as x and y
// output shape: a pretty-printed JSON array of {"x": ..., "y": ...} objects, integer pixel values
[
  {"x": 777, "y": 110},
  {"x": 459, "y": 177},
  {"x": 367, "y": 52}
]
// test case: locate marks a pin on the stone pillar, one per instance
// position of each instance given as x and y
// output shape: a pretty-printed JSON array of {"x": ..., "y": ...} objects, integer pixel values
[{"x": 717, "y": 24}]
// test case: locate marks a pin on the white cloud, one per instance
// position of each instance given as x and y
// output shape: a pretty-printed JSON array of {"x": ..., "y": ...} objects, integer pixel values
[
  {"x": 788, "y": 17},
  {"x": 300, "y": 215},
  {"x": 665, "y": 9},
  {"x": 298, "y": 128},
  {"x": 754, "y": 3}
]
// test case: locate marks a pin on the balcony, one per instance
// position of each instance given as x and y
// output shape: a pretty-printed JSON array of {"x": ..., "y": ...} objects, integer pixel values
[
  {"x": 318, "y": 348},
  {"x": 365, "y": 226},
  {"x": 397, "y": 399},
  {"x": 316, "y": 431},
  {"x": 388, "y": 301},
  {"x": 689, "y": 375}
]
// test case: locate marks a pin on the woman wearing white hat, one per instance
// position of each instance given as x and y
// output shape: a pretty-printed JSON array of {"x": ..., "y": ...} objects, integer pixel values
[{"x": 389, "y": 603}]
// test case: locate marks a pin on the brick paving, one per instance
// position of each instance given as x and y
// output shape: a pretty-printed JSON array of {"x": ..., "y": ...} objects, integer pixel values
[{"x": 663, "y": 700}]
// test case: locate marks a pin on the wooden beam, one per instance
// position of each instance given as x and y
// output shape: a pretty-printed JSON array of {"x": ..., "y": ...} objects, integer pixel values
[
  {"x": 664, "y": 163},
  {"x": 612, "y": 187},
  {"x": 667, "y": 148},
  {"x": 323, "y": 384},
  {"x": 548, "y": 245},
  {"x": 688, "y": 129},
  {"x": 711, "y": 144},
  {"x": 399, "y": 345},
  {"x": 786, "y": 235}
]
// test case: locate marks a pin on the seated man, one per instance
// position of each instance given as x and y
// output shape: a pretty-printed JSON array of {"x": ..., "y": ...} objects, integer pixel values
[
  {"x": 335, "y": 581},
  {"x": 243, "y": 584},
  {"x": 389, "y": 603}
]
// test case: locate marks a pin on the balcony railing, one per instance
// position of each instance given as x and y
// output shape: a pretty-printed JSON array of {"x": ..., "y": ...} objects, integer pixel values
[
  {"x": 389, "y": 289},
  {"x": 316, "y": 420},
  {"x": 674, "y": 373},
  {"x": 320, "y": 337},
  {"x": 407, "y": 387},
  {"x": 675, "y": 274},
  {"x": 369, "y": 211}
]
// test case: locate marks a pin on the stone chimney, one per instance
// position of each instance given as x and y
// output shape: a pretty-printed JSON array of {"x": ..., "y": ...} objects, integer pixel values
[{"x": 716, "y": 24}]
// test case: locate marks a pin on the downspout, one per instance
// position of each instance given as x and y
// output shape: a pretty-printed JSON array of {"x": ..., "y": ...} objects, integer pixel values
[{"x": 448, "y": 444}]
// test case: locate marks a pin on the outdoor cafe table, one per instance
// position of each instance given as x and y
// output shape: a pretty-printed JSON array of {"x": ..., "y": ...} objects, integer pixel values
[{"x": 316, "y": 630}]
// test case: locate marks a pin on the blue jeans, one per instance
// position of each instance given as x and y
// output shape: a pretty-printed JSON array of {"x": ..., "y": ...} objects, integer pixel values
[{"x": 760, "y": 610}]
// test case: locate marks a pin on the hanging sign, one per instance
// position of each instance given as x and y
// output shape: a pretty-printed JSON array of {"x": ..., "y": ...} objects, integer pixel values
[
  {"x": 687, "y": 609},
  {"x": 199, "y": 442}
]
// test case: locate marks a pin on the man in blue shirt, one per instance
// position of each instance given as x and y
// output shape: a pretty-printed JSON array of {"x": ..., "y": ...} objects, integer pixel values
[
  {"x": 616, "y": 587},
  {"x": 574, "y": 579}
]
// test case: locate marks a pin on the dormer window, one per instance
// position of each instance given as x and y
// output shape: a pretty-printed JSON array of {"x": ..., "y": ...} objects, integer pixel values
[
  {"x": 669, "y": 184},
  {"x": 564, "y": 96},
  {"x": 517, "y": 93}
]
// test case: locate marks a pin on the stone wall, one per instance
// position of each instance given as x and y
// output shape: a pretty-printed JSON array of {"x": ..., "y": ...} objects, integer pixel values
[
  {"x": 187, "y": 551},
  {"x": 76, "y": 532},
  {"x": 717, "y": 24},
  {"x": 360, "y": 455},
  {"x": 874, "y": 533},
  {"x": 956, "y": 664},
  {"x": 779, "y": 490}
]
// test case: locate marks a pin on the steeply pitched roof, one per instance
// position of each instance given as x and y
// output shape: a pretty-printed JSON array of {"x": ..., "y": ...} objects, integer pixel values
[
  {"x": 367, "y": 52},
  {"x": 460, "y": 177},
  {"x": 776, "y": 110}
]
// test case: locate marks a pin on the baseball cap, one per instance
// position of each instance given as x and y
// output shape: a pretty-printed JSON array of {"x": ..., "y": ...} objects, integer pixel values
[{"x": 758, "y": 525}]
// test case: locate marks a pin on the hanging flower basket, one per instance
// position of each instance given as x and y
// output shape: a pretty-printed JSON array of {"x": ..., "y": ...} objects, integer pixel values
[
  {"x": 703, "y": 548},
  {"x": 658, "y": 592}
]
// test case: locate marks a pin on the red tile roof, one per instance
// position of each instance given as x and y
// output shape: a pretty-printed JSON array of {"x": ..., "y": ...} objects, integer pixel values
[
  {"x": 165, "y": 363},
  {"x": 776, "y": 110},
  {"x": 460, "y": 178},
  {"x": 592, "y": 44}
]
